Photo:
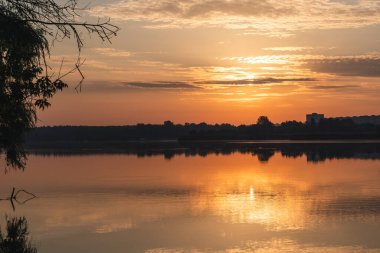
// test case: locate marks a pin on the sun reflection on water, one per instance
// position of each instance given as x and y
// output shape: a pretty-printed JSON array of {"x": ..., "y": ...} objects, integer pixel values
[{"x": 213, "y": 204}]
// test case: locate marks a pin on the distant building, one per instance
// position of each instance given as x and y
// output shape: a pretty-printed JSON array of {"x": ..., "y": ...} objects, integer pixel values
[
  {"x": 367, "y": 119},
  {"x": 314, "y": 118}
]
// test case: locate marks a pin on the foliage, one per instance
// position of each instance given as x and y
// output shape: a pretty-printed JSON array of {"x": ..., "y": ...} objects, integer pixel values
[
  {"x": 16, "y": 239},
  {"x": 57, "y": 136},
  {"x": 264, "y": 121},
  {"x": 25, "y": 82}
]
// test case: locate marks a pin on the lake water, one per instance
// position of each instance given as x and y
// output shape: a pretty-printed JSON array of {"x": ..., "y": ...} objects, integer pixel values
[{"x": 233, "y": 202}]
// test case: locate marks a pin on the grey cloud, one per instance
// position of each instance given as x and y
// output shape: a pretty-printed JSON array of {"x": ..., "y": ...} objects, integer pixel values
[
  {"x": 243, "y": 14},
  {"x": 198, "y": 8},
  {"x": 161, "y": 85},
  {"x": 111, "y": 86},
  {"x": 257, "y": 81},
  {"x": 241, "y": 8},
  {"x": 333, "y": 87},
  {"x": 349, "y": 2},
  {"x": 368, "y": 67}
]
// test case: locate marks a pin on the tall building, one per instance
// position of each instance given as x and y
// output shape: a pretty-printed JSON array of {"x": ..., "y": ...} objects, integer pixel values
[{"x": 314, "y": 118}]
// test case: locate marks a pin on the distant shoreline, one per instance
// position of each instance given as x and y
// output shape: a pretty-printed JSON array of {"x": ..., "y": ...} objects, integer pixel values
[{"x": 264, "y": 131}]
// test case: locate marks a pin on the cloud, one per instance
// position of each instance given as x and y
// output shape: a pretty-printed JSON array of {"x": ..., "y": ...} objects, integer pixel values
[
  {"x": 199, "y": 84},
  {"x": 112, "y": 52},
  {"x": 188, "y": 9},
  {"x": 333, "y": 87},
  {"x": 266, "y": 59},
  {"x": 359, "y": 65},
  {"x": 287, "y": 49},
  {"x": 257, "y": 81},
  {"x": 271, "y": 17},
  {"x": 161, "y": 85},
  {"x": 246, "y": 8},
  {"x": 350, "y": 2},
  {"x": 352, "y": 66},
  {"x": 104, "y": 86}
]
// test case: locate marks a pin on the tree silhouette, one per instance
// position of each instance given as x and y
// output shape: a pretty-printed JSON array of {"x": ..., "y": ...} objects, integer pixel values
[
  {"x": 264, "y": 121},
  {"x": 28, "y": 30},
  {"x": 16, "y": 238}
]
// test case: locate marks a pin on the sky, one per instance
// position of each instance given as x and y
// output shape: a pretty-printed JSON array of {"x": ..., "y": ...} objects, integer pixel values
[{"x": 222, "y": 61}]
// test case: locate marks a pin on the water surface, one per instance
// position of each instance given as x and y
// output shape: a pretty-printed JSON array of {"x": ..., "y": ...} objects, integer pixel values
[{"x": 235, "y": 202}]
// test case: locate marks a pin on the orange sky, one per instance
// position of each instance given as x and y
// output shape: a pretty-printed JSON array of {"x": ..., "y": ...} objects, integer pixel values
[{"x": 224, "y": 61}]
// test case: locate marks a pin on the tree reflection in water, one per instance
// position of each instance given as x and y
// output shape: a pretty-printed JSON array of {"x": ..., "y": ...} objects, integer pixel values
[{"x": 15, "y": 238}]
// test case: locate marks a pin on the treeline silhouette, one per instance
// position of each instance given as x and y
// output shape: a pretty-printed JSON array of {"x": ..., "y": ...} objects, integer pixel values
[
  {"x": 313, "y": 151},
  {"x": 262, "y": 130}
]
